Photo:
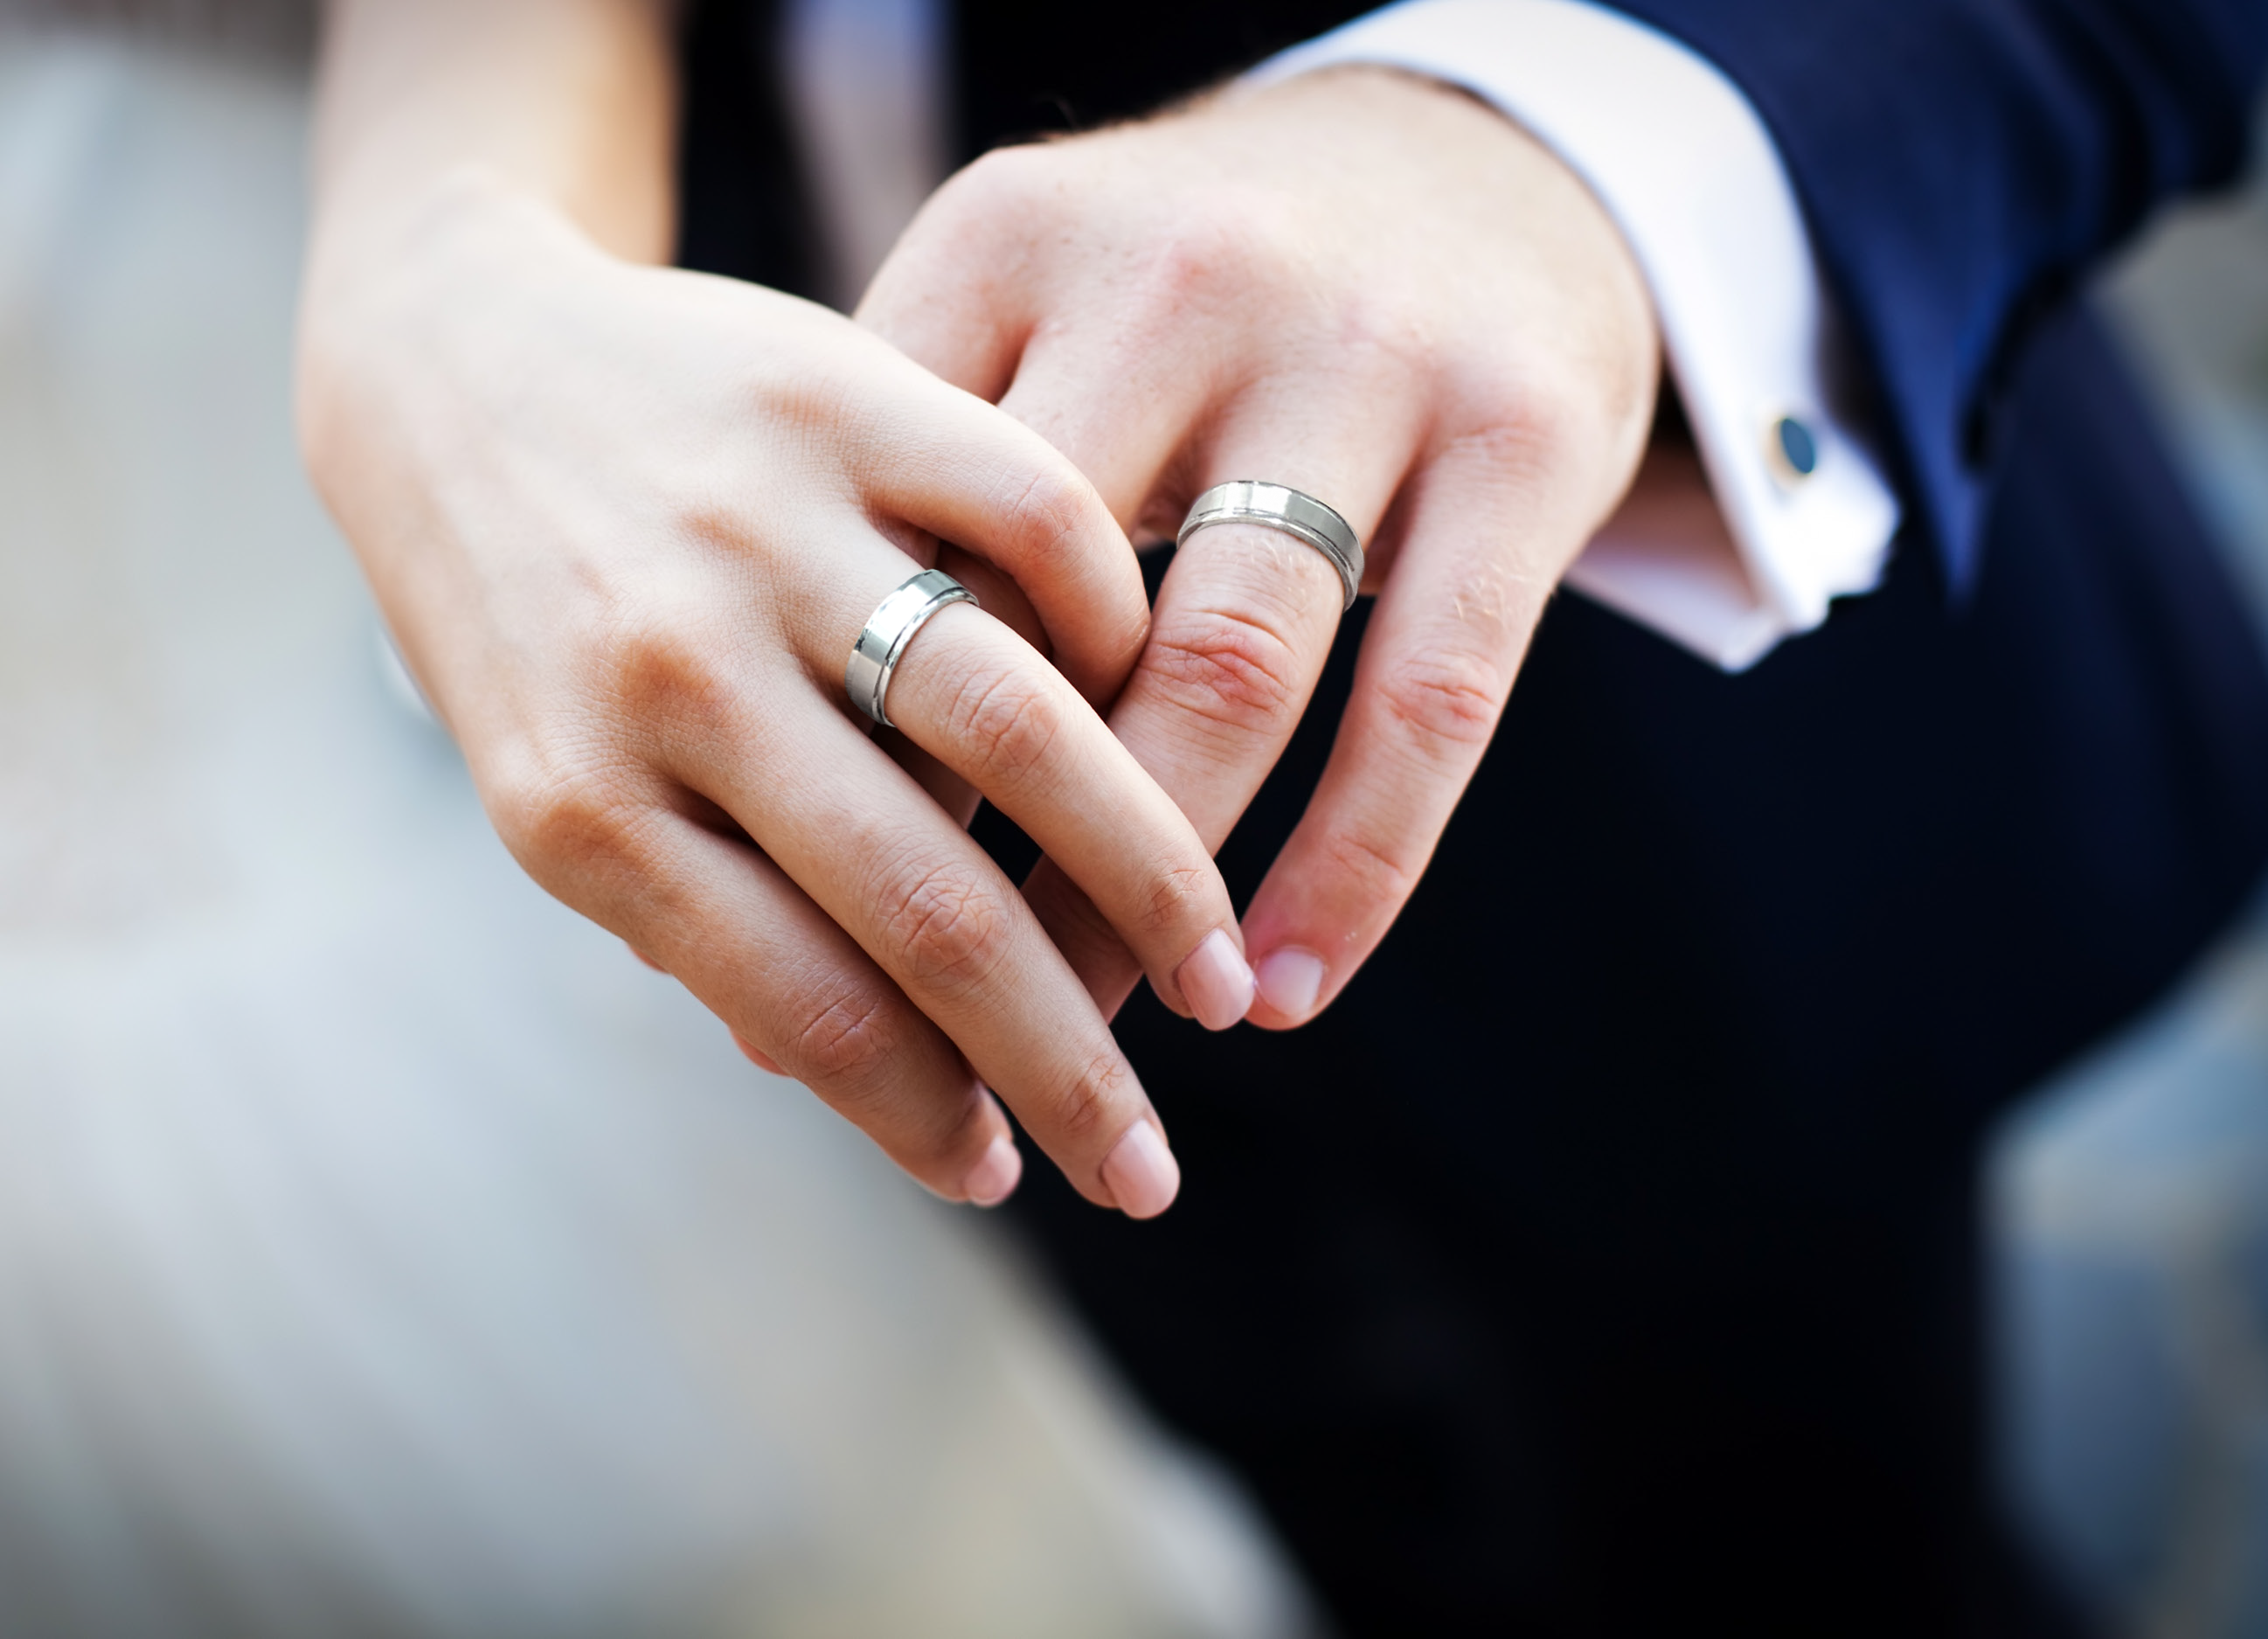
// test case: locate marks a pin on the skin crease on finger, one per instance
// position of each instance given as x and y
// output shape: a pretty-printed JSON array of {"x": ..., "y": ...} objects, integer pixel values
[
  {"x": 1368, "y": 285},
  {"x": 618, "y": 517}
]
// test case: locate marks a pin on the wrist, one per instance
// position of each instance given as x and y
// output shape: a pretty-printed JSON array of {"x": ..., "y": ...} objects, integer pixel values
[
  {"x": 387, "y": 280},
  {"x": 367, "y": 243}
]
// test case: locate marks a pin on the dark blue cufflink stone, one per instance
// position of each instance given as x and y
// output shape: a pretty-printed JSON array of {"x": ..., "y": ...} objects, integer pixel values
[{"x": 1797, "y": 447}]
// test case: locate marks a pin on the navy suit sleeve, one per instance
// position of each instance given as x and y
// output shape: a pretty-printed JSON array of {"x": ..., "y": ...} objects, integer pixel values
[{"x": 1963, "y": 164}]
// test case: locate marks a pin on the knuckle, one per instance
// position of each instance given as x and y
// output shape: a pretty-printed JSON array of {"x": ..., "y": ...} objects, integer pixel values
[
  {"x": 1226, "y": 667},
  {"x": 664, "y": 664},
  {"x": 1050, "y": 511},
  {"x": 1514, "y": 449},
  {"x": 562, "y": 816},
  {"x": 1538, "y": 422},
  {"x": 1174, "y": 893},
  {"x": 1444, "y": 704},
  {"x": 1085, "y": 1107},
  {"x": 1552, "y": 433},
  {"x": 1009, "y": 725},
  {"x": 1004, "y": 198},
  {"x": 1003, "y": 178},
  {"x": 950, "y": 928},
  {"x": 1379, "y": 872},
  {"x": 849, "y": 1041},
  {"x": 1224, "y": 244},
  {"x": 1193, "y": 263}
]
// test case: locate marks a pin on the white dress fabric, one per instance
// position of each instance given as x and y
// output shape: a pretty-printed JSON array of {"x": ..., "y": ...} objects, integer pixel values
[{"x": 382, "y": 1251}]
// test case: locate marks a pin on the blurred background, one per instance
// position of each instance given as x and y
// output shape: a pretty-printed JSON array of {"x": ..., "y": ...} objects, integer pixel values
[
  {"x": 361, "y": 1209},
  {"x": 2132, "y": 1194}
]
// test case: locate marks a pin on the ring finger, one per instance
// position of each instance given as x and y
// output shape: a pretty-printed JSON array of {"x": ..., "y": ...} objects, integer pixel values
[
  {"x": 978, "y": 699},
  {"x": 851, "y": 829}
]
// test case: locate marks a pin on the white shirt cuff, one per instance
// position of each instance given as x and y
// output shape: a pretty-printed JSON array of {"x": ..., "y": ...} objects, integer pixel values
[{"x": 1684, "y": 166}]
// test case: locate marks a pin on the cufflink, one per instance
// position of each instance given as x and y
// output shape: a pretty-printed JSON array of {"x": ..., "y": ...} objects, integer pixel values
[{"x": 1791, "y": 450}]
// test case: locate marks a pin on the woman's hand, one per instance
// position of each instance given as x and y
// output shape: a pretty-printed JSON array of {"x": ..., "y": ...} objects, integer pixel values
[
  {"x": 1357, "y": 283},
  {"x": 627, "y": 523}
]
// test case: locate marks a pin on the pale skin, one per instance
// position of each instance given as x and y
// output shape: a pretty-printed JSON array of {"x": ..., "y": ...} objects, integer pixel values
[
  {"x": 1361, "y": 284},
  {"x": 625, "y": 522}
]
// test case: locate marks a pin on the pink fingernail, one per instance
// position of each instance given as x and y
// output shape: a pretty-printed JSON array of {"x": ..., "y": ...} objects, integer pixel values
[
  {"x": 1142, "y": 1173},
  {"x": 994, "y": 1179},
  {"x": 1216, "y": 983},
  {"x": 1290, "y": 979}
]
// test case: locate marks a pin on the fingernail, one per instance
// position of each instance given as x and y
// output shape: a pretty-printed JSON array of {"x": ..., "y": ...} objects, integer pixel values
[
  {"x": 1142, "y": 1173},
  {"x": 1290, "y": 979},
  {"x": 1215, "y": 982},
  {"x": 994, "y": 1179}
]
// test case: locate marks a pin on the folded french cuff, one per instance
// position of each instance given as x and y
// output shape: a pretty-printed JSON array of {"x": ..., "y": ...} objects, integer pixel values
[{"x": 1802, "y": 511}]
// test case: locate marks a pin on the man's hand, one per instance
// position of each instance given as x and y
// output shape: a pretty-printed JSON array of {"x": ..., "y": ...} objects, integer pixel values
[{"x": 1361, "y": 284}]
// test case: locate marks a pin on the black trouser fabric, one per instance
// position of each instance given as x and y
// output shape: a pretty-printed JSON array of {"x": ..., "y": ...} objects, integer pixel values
[{"x": 1607, "y": 1259}]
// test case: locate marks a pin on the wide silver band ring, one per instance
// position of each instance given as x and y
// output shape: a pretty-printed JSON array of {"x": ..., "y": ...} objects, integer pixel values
[
  {"x": 874, "y": 658},
  {"x": 1277, "y": 506}
]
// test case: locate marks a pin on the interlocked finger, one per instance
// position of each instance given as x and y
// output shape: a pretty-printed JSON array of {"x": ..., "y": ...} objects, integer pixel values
[
  {"x": 853, "y": 831},
  {"x": 934, "y": 914},
  {"x": 971, "y": 694},
  {"x": 1238, "y": 640}
]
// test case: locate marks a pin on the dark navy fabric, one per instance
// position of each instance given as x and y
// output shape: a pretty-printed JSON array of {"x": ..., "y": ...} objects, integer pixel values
[
  {"x": 1607, "y": 1260},
  {"x": 1029, "y": 66},
  {"x": 742, "y": 208},
  {"x": 1963, "y": 164}
]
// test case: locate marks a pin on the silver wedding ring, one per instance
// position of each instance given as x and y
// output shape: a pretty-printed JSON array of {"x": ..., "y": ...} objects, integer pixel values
[
  {"x": 874, "y": 658},
  {"x": 1275, "y": 506}
]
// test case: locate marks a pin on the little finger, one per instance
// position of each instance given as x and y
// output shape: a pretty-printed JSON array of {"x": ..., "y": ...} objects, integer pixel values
[
  {"x": 787, "y": 981},
  {"x": 1476, "y": 565}
]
